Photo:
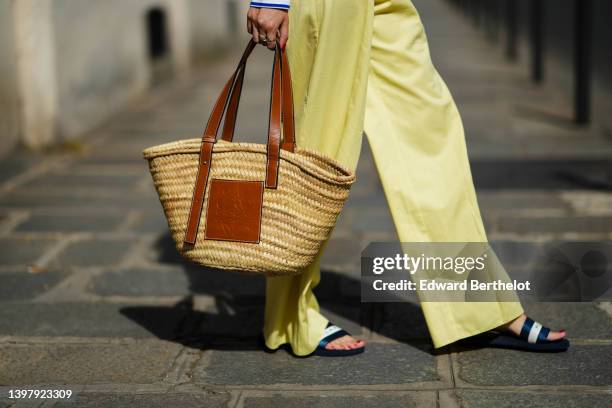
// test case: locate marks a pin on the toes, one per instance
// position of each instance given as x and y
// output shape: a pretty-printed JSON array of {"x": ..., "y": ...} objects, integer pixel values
[
  {"x": 556, "y": 335},
  {"x": 356, "y": 344},
  {"x": 344, "y": 343},
  {"x": 337, "y": 344}
]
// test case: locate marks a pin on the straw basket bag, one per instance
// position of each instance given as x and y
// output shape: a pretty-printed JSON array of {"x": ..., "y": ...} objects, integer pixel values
[{"x": 256, "y": 208}]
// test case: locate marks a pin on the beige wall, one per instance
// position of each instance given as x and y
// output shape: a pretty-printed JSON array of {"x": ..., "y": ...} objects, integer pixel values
[
  {"x": 67, "y": 65},
  {"x": 102, "y": 60},
  {"x": 36, "y": 70},
  {"x": 211, "y": 27},
  {"x": 9, "y": 100}
]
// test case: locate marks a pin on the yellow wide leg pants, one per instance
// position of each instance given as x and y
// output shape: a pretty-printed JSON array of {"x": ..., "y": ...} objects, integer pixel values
[{"x": 365, "y": 65}]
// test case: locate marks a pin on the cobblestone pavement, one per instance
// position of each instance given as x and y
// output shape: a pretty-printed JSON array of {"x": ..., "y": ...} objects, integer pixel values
[{"x": 94, "y": 298}]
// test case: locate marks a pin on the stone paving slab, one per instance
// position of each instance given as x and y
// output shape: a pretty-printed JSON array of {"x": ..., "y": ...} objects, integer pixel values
[
  {"x": 132, "y": 169},
  {"x": 380, "y": 364},
  {"x": 513, "y": 200},
  {"x": 173, "y": 280},
  {"x": 342, "y": 280},
  {"x": 513, "y": 399},
  {"x": 343, "y": 227},
  {"x": 581, "y": 320},
  {"x": 152, "y": 222},
  {"x": 70, "y": 223},
  {"x": 401, "y": 321},
  {"x": 227, "y": 320},
  {"x": 21, "y": 284},
  {"x": 371, "y": 201},
  {"x": 339, "y": 284},
  {"x": 93, "y": 252},
  {"x": 546, "y": 174},
  {"x": 148, "y": 400},
  {"x": 105, "y": 181},
  {"x": 16, "y": 163},
  {"x": 554, "y": 224},
  {"x": 342, "y": 255},
  {"x": 208, "y": 281},
  {"x": 365, "y": 184},
  {"x": 358, "y": 400},
  {"x": 516, "y": 253},
  {"x": 89, "y": 320},
  {"x": 113, "y": 159},
  {"x": 140, "y": 281},
  {"x": 70, "y": 199},
  {"x": 163, "y": 251},
  {"x": 23, "y": 251},
  {"x": 6, "y": 402},
  {"x": 581, "y": 365},
  {"x": 376, "y": 220},
  {"x": 138, "y": 362},
  {"x": 239, "y": 322}
]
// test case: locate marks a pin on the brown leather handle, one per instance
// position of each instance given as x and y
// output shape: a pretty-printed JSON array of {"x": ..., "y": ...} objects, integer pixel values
[
  {"x": 216, "y": 115},
  {"x": 287, "y": 95},
  {"x": 212, "y": 127},
  {"x": 229, "y": 124}
]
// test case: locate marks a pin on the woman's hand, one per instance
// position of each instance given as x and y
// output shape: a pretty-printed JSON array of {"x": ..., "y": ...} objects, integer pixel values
[{"x": 268, "y": 23}]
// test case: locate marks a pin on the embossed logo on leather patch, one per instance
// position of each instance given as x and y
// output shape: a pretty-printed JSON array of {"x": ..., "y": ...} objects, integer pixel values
[{"x": 234, "y": 210}]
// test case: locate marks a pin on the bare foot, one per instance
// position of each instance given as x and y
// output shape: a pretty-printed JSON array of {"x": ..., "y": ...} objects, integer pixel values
[
  {"x": 345, "y": 343},
  {"x": 515, "y": 326}
]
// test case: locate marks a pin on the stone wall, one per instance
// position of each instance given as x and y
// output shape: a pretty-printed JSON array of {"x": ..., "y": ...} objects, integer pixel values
[
  {"x": 67, "y": 65},
  {"x": 103, "y": 59},
  {"x": 9, "y": 100},
  {"x": 215, "y": 24}
]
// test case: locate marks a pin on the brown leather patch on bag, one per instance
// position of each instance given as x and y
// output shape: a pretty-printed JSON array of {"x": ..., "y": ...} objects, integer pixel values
[{"x": 234, "y": 210}]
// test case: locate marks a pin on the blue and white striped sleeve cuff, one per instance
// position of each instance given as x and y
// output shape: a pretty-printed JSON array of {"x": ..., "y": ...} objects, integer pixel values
[{"x": 277, "y": 4}]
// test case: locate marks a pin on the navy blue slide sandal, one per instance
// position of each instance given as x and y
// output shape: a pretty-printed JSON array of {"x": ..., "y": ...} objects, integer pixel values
[
  {"x": 533, "y": 337},
  {"x": 331, "y": 333}
]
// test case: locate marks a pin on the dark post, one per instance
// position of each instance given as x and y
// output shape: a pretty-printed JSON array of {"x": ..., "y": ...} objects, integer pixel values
[
  {"x": 582, "y": 60},
  {"x": 537, "y": 40},
  {"x": 465, "y": 7},
  {"x": 492, "y": 16},
  {"x": 511, "y": 30},
  {"x": 476, "y": 11}
]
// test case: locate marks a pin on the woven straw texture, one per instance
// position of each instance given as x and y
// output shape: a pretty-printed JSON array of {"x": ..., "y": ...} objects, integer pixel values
[{"x": 296, "y": 217}]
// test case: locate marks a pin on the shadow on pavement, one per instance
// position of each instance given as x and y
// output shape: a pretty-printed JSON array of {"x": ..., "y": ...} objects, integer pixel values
[
  {"x": 233, "y": 319},
  {"x": 550, "y": 174}
]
